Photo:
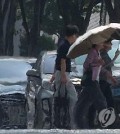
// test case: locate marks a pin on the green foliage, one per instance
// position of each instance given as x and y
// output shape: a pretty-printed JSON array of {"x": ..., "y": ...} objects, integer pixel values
[
  {"x": 52, "y": 21},
  {"x": 97, "y": 9},
  {"x": 44, "y": 43}
]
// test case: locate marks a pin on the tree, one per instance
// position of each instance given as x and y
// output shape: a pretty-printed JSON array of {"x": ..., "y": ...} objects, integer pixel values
[
  {"x": 7, "y": 22},
  {"x": 25, "y": 24},
  {"x": 10, "y": 28},
  {"x": 113, "y": 8},
  {"x": 1, "y": 30},
  {"x": 52, "y": 21},
  {"x": 77, "y": 12},
  {"x": 103, "y": 13},
  {"x": 34, "y": 32}
]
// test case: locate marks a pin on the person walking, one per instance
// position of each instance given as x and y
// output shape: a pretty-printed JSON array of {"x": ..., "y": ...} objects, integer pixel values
[
  {"x": 91, "y": 93},
  {"x": 106, "y": 79},
  {"x": 105, "y": 82},
  {"x": 61, "y": 78}
]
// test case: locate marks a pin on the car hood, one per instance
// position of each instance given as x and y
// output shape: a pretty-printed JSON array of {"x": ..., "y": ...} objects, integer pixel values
[
  {"x": 11, "y": 89},
  {"x": 46, "y": 76},
  {"x": 13, "y": 81}
]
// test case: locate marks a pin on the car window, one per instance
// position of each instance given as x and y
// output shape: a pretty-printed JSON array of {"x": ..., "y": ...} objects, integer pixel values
[
  {"x": 49, "y": 63},
  {"x": 80, "y": 60},
  {"x": 13, "y": 70},
  {"x": 115, "y": 46}
]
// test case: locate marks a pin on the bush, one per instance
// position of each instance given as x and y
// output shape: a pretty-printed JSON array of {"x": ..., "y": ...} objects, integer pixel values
[{"x": 44, "y": 43}]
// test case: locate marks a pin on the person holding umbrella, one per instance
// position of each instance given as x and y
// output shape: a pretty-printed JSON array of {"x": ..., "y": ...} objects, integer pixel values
[
  {"x": 106, "y": 79},
  {"x": 91, "y": 42},
  {"x": 91, "y": 93}
]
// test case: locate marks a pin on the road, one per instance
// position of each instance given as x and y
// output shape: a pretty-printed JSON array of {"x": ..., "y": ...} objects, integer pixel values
[{"x": 56, "y": 131}]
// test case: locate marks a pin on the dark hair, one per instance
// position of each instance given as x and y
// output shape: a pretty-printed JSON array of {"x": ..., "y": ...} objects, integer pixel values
[
  {"x": 71, "y": 30},
  {"x": 94, "y": 45},
  {"x": 109, "y": 40}
]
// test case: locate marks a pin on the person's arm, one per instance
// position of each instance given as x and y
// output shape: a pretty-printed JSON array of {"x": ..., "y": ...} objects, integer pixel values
[
  {"x": 63, "y": 70},
  {"x": 105, "y": 72},
  {"x": 112, "y": 61},
  {"x": 116, "y": 55}
]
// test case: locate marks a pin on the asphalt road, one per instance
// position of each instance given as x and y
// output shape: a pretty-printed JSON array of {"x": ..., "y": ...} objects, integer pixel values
[{"x": 56, "y": 131}]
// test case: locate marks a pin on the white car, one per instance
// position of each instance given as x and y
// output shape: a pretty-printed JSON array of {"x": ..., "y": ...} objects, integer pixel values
[
  {"x": 13, "y": 81},
  {"x": 42, "y": 72}
]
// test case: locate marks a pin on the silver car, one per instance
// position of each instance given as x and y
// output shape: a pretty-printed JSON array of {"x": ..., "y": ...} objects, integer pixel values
[
  {"x": 13, "y": 81},
  {"x": 42, "y": 72},
  {"x": 39, "y": 93}
]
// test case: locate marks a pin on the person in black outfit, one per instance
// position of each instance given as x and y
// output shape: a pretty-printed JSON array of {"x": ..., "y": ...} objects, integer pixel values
[{"x": 61, "y": 76}]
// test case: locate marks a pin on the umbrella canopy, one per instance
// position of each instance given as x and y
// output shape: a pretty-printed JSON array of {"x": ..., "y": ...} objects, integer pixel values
[{"x": 95, "y": 36}]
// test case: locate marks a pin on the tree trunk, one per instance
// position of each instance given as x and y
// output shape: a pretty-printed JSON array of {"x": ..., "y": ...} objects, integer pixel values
[
  {"x": 88, "y": 14},
  {"x": 72, "y": 12},
  {"x": 6, "y": 11},
  {"x": 117, "y": 9},
  {"x": 34, "y": 33},
  {"x": 1, "y": 30},
  {"x": 35, "y": 30},
  {"x": 76, "y": 13},
  {"x": 111, "y": 12},
  {"x": 10, "y": 28},
  {"x": 103, "y": 13},
  {"x": 25, "y": 25},
  {"x": 42, "y": 6}
]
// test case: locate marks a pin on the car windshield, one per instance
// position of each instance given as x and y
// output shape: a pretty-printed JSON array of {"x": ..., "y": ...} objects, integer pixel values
[
  {"x": 13, "y": 70},
  {"x": 115, "y": 45},
  {"x": 49, "y": 63}
]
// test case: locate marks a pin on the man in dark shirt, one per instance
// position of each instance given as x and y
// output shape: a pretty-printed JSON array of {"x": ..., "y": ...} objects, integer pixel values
[
  {"x": 61, "y": 54},
  {"x": 63, "y": 69}
]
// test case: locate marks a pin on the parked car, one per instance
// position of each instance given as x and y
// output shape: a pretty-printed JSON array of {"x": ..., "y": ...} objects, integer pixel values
[
  {"x": 47, "y": 69},
  {"x": 13, "y": 81},
  {"x": 43, "y": 70},
  {"x": 39, "y": 98}
]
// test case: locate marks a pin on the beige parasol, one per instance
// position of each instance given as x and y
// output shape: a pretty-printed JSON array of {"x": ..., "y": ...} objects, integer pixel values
[{"x": 94, "y": 36}]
